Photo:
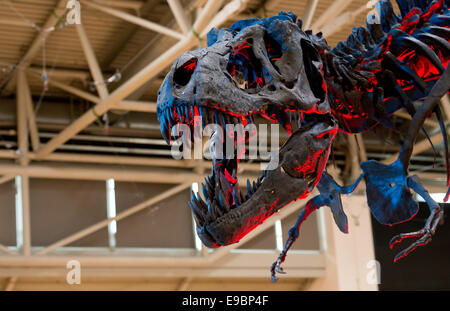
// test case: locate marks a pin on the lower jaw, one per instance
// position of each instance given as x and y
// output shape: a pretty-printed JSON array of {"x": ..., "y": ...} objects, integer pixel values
[{"x": 233, "y": 226}]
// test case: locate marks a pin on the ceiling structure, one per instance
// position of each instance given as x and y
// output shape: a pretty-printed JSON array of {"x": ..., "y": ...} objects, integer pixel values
[{"x": 77, "y": 101}]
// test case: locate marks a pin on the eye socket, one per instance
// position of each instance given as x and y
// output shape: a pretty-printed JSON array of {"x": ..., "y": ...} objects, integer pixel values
[
  {"x": 274, "y": 51},
  {"x": 183, "y": 74},
  {"x": 315, "y": 78}
]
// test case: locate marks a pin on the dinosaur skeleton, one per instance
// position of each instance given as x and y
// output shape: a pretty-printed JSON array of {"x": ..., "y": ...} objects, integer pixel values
[{"x": 272, "y": 68}]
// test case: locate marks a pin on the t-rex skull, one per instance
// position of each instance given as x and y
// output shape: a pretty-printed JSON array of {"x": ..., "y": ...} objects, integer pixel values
[{"x": 269, "y": 67}]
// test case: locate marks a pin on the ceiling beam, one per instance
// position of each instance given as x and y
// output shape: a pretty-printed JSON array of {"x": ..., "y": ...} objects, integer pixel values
[
  {"x": 128, "y": 33},
  {"x": 135, "y": 105},
  {"x": 32, "y": 126},
  {"x": 308, "y": 13},
  {"x": 73, "y": 90},
  {"x": 13, "y": 21},
  {"x": 337, "y": 23},
  {"x": 136, "y": 20},
  {"x": 104, "y": 223},
  {"x": 35, "y": 46},
  {"x": 336, "y": 8},
  {"x": 145, "y": 74},
  {"x": 6, "y": 250},
  {"x": 94, "y": 67},
  {"x": 180, "y": 16},
  {"x": 122, "y": 4},
  {"x": 104, "y": 172}
]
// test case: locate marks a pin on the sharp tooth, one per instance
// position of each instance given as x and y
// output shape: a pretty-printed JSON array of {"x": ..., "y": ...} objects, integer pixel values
[
  {"x": 192, "y": 110},
  {"x": 216, "y": 117},
  {"x": 208, "y": 182},
  {"x": 249, "y": 187},
  {"x": 205, "y": 192},
  {"x": 186, "y": 142},
  {"x": 165, "y": 131},
  {"x": 198, "y": 215},
  {"x": 224, "y": 202},
  {"x": 201, "y": 204},
  {"x": 186, "y": 114},
  {"x": 180, "y": 114},
  {"x": 205, "y": 116},
  {"x": 236, "y": 197},
  {"x": 211, "y": 211},
  {"x": 168, "y": 117},
  {"x": 198, "y": 203},
  {"x": 241, "y": 196},
  {"x": 250, "y": 119},
  {"x": 200, "y": 115},
  {"x": 224, "y": 123},
  {"x": 260, "y": 178},
  {"x": 217, "y": 209},
  {"x": 210, "y": 116}
]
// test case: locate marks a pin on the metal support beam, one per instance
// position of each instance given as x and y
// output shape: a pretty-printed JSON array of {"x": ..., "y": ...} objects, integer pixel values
[
  {"x": 308, "y": 14},
  {"x": 209, "y": 259},
  {"x": 229, "y": 11},
  {"x": 134, "y": 105},
  {"x": 36, "y": 44},
  {"x": 6, "y": 250},
  {"x": 337, "y": 23},
  {"x": 405, "y": 115},
  {"x": 104, "y": 172},
  {"x": 60, "y": 73},
  {"x": 180, "y": 16},
  {"x": 435, "y": 139},
  {"x": 22, "y": 129},
  {"x": 6, "y": 178},
  {"x": 362, "y": 147},
  {"x": 24, "y": 88},
  {"x": 184, "y": 284},
  {"x": 11, "y": 283},
  {"x": 419, "y": 147},
  {"x": 94, "y": 67},
  {"x": 122, "y": 4},
  {"x": 336, "y": 8},
  {"x": 300, "y": 264},
  {"x": 445, "y": 104},
  {"x": 131, "y": 105},
  {"x": 74, "y": 91},
  {"x": 104, "y": 223},
  {"x": 13, "y": 21},
  {"x": 26, "y": 225},
  {"x": 148, "y": 72},
  {"x": 136, "y": 20},
  {"x": 354, "y": 158},
  {"x": 124, "y": 160}
]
